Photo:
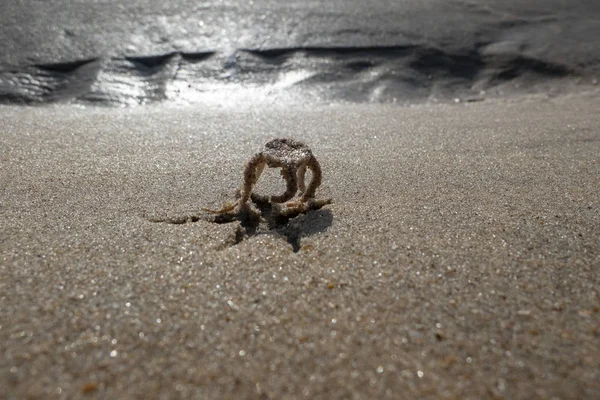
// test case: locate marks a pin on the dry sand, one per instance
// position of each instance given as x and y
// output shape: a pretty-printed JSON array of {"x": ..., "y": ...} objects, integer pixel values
[{"x": 459, "y": 259}]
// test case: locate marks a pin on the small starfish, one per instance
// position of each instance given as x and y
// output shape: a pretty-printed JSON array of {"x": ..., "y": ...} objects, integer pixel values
[{"x": 294, "y": 158}]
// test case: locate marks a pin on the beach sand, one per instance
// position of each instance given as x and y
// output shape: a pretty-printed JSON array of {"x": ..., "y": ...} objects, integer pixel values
[{"x": 459, "y": 258}]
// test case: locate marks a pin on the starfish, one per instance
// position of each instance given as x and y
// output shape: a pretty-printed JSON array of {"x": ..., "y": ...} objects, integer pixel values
[{"x": 294, "y": 158}]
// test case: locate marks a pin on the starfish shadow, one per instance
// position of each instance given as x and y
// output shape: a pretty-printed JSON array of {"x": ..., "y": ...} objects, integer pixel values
[{"x": 292, "y": 225}]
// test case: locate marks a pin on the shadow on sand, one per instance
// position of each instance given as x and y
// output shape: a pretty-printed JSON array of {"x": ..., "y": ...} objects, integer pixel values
[
  {"x": 270, "y": 219},
  {"x": 292, "y": 227}
]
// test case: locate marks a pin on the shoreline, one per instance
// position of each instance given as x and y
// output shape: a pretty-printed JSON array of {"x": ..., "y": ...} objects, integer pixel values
[{"x": 338, "y": 50}]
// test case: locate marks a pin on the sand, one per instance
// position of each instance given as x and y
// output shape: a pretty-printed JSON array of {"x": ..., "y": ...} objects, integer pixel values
[{"x": 459, "y": 258}]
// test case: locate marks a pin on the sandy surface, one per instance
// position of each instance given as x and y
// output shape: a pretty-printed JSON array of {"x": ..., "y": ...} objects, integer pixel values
[{"x": 459, "y": 259}]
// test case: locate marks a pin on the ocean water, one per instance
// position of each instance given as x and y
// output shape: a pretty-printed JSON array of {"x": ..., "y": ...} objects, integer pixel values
[{"x": 140, "y": 52}]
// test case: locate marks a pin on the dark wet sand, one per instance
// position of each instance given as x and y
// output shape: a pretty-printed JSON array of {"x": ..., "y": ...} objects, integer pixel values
[
  {"x": 381, "y": 51},
  {"x": 459, "y": 258}
]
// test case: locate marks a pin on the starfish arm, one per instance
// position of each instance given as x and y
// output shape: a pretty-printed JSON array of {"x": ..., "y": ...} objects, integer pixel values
[
  {"x": 252, "y": 172},
  {"x": 300, "y": 176},
  {"x": 315, "y": 182},
  {"x": 288, "y": 172}
]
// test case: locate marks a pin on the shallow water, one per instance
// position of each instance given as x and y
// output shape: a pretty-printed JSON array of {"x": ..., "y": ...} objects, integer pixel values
[{"x": 219, "y": 51}]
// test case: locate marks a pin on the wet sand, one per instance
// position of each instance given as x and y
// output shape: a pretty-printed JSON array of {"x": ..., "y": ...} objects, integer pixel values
[
  {"x": 188, "y": 52},
  {"x": 459, "y": 258}
]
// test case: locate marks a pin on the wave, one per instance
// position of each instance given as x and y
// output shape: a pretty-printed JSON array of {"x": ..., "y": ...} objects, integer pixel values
[{"x": 403, "y": 74}]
